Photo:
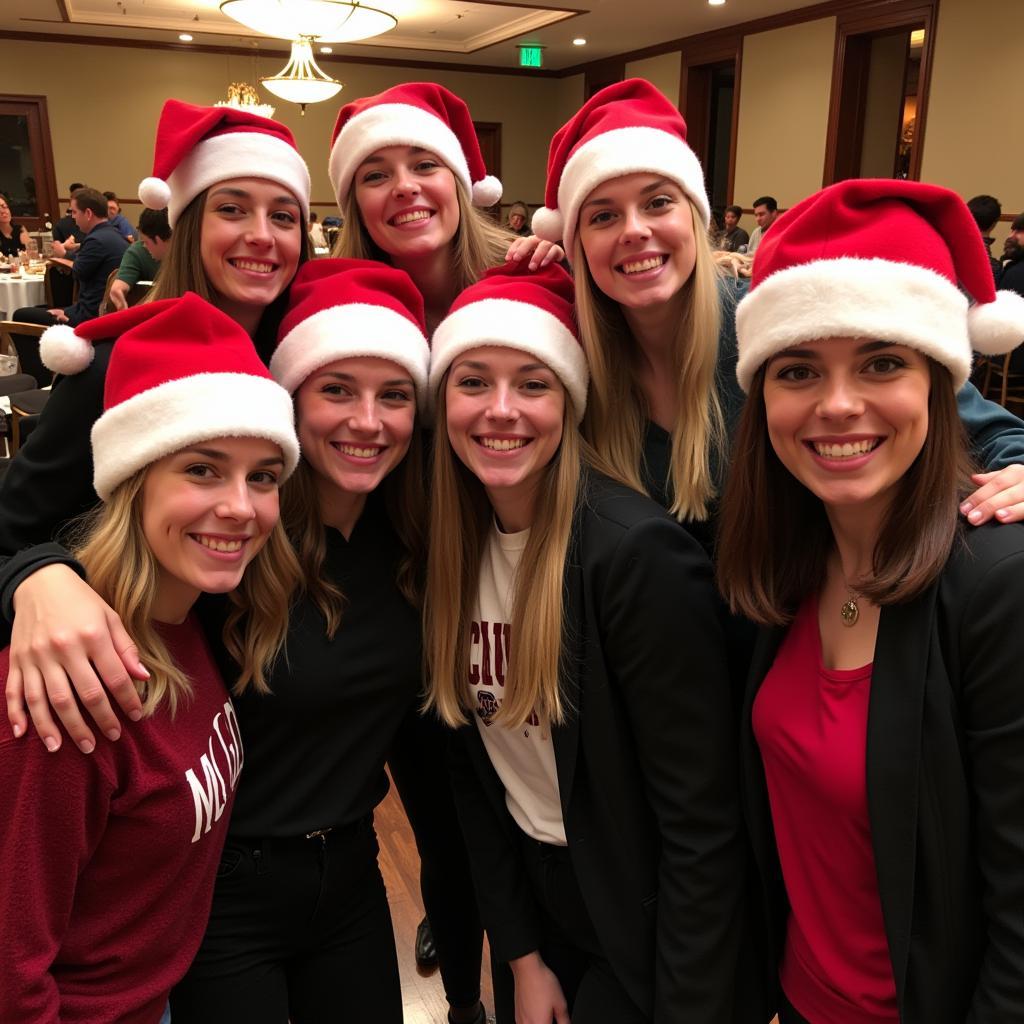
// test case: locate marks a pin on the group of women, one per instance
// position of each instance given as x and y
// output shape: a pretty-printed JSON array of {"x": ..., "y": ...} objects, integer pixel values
[{"x": 652, "y": 824}]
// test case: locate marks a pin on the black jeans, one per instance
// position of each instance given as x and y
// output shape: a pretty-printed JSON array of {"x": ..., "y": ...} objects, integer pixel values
[
  {"x": 27, "y": 345},
  {"x": 788, "y": 1014},
  {"x": 570, "y": 946},
  {"x": 300, "y": 930}
]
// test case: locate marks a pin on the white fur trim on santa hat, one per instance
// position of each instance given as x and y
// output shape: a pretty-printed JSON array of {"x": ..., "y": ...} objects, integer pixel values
[
  {"x": 63, "y": 351},
  {"x": 342, "y": 332},
  {"x": 509, "y": 323},
  {"x": 622, "y": 151},
  {"x": 997, "y": 327},
  {"x": 854, "y": 298},
  {"x": 183, "y": 412},
  {"x": 392, "y": 124},
  {"x": 237, "y": 155}
]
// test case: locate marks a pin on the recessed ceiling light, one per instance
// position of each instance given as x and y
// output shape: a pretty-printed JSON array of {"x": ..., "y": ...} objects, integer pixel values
[
  {"x": 716, "y": 3},
  {"x": 185, "y": 37},
  {"x": 579, "y": 42},
  {"x": 326, "y": 49}
]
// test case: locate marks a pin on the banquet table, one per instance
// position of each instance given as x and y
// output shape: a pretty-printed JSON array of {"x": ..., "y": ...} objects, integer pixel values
[{"x": 17, "y": 291}]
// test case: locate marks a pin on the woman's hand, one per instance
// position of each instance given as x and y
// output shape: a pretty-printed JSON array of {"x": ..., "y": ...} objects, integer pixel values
[
  {"x": 539, "y": 998},
  {"x": 999, "y": 494},
  {"x": 65, "y": 636},
  {"x": 540, "y": 253}
]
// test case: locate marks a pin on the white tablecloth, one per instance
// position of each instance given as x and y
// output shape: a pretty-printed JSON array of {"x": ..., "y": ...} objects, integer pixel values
[{"x": 16, "y": 292}]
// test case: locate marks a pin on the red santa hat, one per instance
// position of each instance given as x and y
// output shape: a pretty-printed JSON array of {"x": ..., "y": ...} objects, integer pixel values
[
  {"x": 877, "y": 259},
  {"x": 344, "y": 308},
  {"x": 514, "y": 307},
  {"x": 414, "y": 114},
  {"x": 198, "y": 146},
  {"x": 180, "y": 372},
  {"x": 626, "y": 128}
]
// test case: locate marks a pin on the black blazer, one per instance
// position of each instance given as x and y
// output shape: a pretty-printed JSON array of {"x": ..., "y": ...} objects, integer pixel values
[
  {"x": 945, "y": 778},
  {"x": 646, "y": 768}
]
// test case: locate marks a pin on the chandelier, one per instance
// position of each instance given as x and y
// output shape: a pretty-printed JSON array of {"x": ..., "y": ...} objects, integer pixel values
[
  {"x": 328, "y": 21},
  {"x": 243, "y": 96},
  {"x": 302, "y": 81}
]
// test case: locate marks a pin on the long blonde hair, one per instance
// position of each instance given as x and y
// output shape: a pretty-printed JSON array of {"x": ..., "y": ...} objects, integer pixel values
[
  {"x": 460, "y": 522},
  {"x": 616, "y": 408},
  {"x": 111, "y": 546},
  {"x": 478, "y": 243}
]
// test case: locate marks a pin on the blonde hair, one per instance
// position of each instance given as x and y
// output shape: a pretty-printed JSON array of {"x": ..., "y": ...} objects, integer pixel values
[
  {"x": 478, "y": 244},
  {"x": 616, "y": 407},
  {"x": 111, "y": 546},
  {"x": 460, "y": 522}
]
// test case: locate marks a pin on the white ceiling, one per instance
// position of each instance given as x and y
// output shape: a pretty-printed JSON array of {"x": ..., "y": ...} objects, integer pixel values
[{"x": 480, "y": 32}]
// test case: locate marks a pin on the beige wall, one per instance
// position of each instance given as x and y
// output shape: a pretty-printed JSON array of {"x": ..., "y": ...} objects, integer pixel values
[
  {"x": 973, "y": 140},
  {"x": 785, "y": 81},
  {"x": 662, "y": 72},
  {"x": 104, "y": 102}
]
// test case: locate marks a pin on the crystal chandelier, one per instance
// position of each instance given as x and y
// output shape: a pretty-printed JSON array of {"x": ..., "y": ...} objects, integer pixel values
[
  {"x": 328, "y": 21},
  {"x": 243, "y": 96},
  {"x": 301, "y": 81}
]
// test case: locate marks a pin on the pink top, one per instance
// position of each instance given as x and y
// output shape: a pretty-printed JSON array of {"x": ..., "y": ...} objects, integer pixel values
[
  {"x": 811, "y": 726},
  {"x": 107, "y": 861}
]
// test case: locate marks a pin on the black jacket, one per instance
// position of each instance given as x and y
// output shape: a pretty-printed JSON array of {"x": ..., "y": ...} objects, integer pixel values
[
  {"x": 945, "y": 778},
  {"x": 100, "y": 253},
  {"x": 646, "y": 768}
]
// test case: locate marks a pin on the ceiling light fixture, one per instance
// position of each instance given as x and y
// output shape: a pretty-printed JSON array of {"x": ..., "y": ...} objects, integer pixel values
[
  {"x": 185, "y": 37},
  {"x": 329, "y": 21},
  {"x": 716, "y": 3},
  {"x": 301, "y": 81},
  {"x": 326, "y": 49},
  {"x": 243, "y": 96},
  {"x": 579, "y": 42}
]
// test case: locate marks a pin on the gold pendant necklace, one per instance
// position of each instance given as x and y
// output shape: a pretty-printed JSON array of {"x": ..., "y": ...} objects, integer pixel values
[{"x": 849, "y": 612}]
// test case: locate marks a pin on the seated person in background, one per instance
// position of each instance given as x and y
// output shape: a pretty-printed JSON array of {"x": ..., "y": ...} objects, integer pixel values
[
  {"x": 316, "y": 231},
  {"x": 519, "y": 219},
  {"x": 986, "y": 211},
  {"x": 734, "y": 236},
  {"x": 141, "y": 260},
  {"x": 117, "y": 218},
  {"x": 13, "y": 237},
  {"x": 766, "y": 212},
  {"x": 99, "y": 253},
  {"x": 65, "y": 227}
]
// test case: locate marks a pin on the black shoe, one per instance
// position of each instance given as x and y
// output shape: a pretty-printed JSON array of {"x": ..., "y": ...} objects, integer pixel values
[
  {"x": 426, "y": 951},
  {"x": 480, "y": 1018}
]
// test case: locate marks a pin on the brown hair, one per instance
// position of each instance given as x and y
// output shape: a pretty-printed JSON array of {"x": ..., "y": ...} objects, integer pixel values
[
  {"x": 90, "y": 199},
  {"x": 774, "y": 537}
]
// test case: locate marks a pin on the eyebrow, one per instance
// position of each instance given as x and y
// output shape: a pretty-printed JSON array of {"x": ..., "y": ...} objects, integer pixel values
[
  {"x": 218, "y": 456},
  {"x": 241, "y": 193},
  {"x": 646, "y": 190},
  {"x": 470, "y": 364},
  {"x": 374, "y": 159},
  {"x": 810, "y": 353},
  {"x": 349, "y": 379}
]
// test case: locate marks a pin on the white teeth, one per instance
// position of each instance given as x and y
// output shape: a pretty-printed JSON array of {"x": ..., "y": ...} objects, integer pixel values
[
  {"x": 219, "y": 545},
  {"x": 359, "y": 453},
  {"x": 845, "y": 451},
  {"x": 258, "y": 267},
  {"x": 405, "y": 218},
  {"x": 501, "y": 445},
  {"x": 637, "y": 266}
]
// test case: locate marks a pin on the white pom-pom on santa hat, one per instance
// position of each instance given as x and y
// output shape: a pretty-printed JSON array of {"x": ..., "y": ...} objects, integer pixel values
[
  {"x": 487, "y": 191},
  {"x": 155, "y": 193},
  {"x": 997, "y": 327},
  {"x": 63, "y": 351},
  {"x": 548, "y": 224}
]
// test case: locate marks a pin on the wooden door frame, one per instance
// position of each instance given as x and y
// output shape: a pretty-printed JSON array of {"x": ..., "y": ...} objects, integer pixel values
[{"x": 42, "y": 156}]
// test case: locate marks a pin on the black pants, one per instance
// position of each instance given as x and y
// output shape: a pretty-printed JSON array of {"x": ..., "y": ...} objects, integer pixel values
[
  {"x": 418, "y": 766},
  {"x": 27, "y": 345},
  {"x": 570, "y": 946},
  {"x": 788, "y": 1014},
  {"x": 300, "y": 930}
]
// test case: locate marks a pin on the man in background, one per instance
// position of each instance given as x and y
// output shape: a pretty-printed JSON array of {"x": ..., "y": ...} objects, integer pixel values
[
  {"x": 65, "y": 227},
  {"x": 986, "y": 211},
  {"x": 117, "y": 218},
  {"x": 141, "y": 260},
  {"x": 766, "y": 211}
]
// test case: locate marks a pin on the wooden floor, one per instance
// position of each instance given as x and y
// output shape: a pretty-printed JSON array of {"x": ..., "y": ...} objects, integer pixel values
[{"x": 400, "y": 865}]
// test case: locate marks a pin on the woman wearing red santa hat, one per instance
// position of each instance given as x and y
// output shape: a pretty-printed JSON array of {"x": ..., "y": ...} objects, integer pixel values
[
  {"x": 238, "y": 241},
  {"x": 625, "y": 195},
  {"x": 884, "y": 718},
  {"x": 107, "y": 863},
  {"x": 595, "y": 773}
]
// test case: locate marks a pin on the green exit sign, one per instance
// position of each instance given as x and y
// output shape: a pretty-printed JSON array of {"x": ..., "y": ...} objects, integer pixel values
[{"x": 531, "y": 56}]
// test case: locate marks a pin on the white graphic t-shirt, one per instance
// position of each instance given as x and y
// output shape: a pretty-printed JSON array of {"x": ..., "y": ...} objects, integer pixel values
[{"x": 524, "y": 758}]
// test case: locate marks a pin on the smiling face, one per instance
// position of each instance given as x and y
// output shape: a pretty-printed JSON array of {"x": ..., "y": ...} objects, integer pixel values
[
  {"x": 206, "y": 512},
  {"x": 637, "y": 236},
  {"x": 407, "y": 201},
  {"x": 355, "y": 421},
  {"x": 847, "y": 417},
  {"x": 505, "y": 412},
  {"x": 250, "y": 240}
]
